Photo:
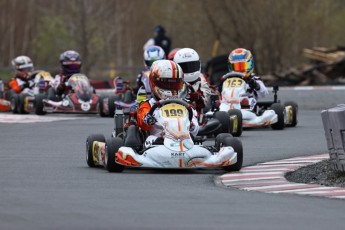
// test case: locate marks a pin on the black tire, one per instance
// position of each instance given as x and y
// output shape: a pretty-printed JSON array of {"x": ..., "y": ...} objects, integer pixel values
[
  {"x": 39, "y": 106},
  {"x": 128, "y": 97},
  {"x": 111, "y": 147},
  {"x": 21, "y": 104},
  {"x": 100, "y": 106},
  {"x": 293, "y": 111},
  {"x": 111, "y": 104},
  {"x": 14, "y": 103},
  {"x": 235, "y": 122},
  {"x": 89, "y": 148},
  {"x": 220, "y": 139},
  {"x": 236, "y": 144},
  {"x": 279, "y": 109},
  {"x": 224, "y": 119}
]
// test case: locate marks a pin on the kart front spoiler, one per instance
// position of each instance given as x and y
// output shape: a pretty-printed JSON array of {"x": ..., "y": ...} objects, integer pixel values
[{"x": 160, "y": 156}]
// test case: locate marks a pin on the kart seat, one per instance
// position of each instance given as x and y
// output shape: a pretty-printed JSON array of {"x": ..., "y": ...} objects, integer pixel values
[{"x": 133, "y": 139}]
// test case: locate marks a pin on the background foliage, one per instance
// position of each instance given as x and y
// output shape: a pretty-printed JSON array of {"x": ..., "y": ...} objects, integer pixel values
[{"x": 110, "y": 33}]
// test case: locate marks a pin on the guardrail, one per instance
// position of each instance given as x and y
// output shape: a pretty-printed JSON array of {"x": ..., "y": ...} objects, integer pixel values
[{"x": 334, "y": 125}]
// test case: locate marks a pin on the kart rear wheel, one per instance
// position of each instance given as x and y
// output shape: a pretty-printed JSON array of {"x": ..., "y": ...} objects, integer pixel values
[
  {"x": 235, "y": 122},
  {"x": 112, "y": 145},
  {"x": 21, "y": 104},
  {"x": 291, "y": 113},
  {"x": 279, "y": 109},
  {"x": 224, "y": 119},
  {"x": 39, "y": 106},
  {"x": 111, "y": 104},
  {"x": 101, "y": 107},
  {"x": 89, "y": 148},
  {"x": 236, "y": 144}
]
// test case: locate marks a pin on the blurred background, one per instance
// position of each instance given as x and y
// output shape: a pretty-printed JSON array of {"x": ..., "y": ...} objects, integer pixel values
[{"x": 110, "y": 34}]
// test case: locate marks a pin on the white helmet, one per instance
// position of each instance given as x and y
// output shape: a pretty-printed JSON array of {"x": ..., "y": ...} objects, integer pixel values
[
  {"x": 151, "y": 54},
  {"x": 189, "y": 61},
  {"x": 166, "y": 80}
]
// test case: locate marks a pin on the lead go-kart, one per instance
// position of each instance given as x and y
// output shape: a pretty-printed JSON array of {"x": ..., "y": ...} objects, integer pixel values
[
  {"x": 80, "y": 99},
  {"x": 252, "y": 113},
  {"x": 177, "y": 149}
]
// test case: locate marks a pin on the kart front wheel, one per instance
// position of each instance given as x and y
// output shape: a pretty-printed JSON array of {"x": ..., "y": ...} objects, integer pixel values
[
  {"x": 39, "y": 106},
  {"x": 14, "y": 102},
  {"x": 101, "y": 107},
  {"x": 112, "y": 145},
  {"x": 111, "y": 104},
  {"x": 280, "y": 111},
  {"x": 235, "y": 122},
  {"x": 236, "y": 144},
  {"x": 90, "y": 149},
  {"x": 291, "y": 110}
]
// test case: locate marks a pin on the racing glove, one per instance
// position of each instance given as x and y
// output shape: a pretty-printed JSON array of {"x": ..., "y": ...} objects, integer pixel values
[
  {"x": 253, "y": 84},
  {"x": 195, "y": 96},
  {"x": 149, "y": 119}
]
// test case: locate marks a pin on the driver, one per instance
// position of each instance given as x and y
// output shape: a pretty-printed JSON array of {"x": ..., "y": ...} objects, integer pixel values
[
  {"x": 70, "y": 62},
  {"x": 151, "y": 54},
  {"x": 23, "y": 68},
  {"x": 241, "y": 60},
  {"x": 189, "y": 61},
  {"x": 166, "y": 81}
]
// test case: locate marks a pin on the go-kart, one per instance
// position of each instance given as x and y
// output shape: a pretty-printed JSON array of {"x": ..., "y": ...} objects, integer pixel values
[
  {"x": 175, "y": 149},
  {"x": 213, "y": 122},
  {"x": 80, "y": 98},
  {"x": 25, "y": 101},
  {"x": 122, "y": 96},
  {"x": 255, "y": 113}
]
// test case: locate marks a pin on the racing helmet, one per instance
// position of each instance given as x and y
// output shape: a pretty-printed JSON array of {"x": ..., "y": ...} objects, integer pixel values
[
  {"x": 189, "y": 61},
  {"x": 166, "y": 80},
  {"x": 172, "y": 53},
  {"x": 151, "y": 54},
  {"x": 70, "y": 62},
  {"x": 241, "y": 60},
  {"x": 23, "y": 66}
]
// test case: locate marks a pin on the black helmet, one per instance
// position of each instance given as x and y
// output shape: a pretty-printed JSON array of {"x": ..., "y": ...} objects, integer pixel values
[
  {"x": 70, "y": 62},
  {"x": 159, "y": 29}
]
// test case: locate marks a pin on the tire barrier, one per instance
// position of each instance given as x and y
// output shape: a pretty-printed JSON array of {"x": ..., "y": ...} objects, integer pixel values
[{"x": 334, "y": 125}]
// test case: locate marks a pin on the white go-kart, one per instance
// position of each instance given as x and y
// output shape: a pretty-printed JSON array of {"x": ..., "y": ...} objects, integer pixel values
[{"x": 177, "y": 149}]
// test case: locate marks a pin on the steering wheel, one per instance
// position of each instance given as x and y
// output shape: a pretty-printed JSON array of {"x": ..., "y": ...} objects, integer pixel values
[
  {"x": 233, "y": 74},
  {"x": 161, "y": 103}
]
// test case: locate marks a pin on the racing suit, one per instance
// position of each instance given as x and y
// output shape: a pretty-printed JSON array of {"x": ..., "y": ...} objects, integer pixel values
[
  {"x": 156, "y": 130},
  {"x": 18, "y": 84},
  {"x": 201, "y": 93},
  {"x": 58, "y": 86}
]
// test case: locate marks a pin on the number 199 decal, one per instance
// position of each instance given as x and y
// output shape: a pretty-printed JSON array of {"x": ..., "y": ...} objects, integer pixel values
[{"x": 173, "y": 111}]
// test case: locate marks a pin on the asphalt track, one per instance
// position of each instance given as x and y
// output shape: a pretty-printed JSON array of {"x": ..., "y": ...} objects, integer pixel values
[{"x": 46, "y": 184}]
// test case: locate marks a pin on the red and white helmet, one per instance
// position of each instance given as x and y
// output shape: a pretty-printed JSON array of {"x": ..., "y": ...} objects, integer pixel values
[
  {"x": 166, "y": 80},
  {"x": 23, "y": 66},
  {"x": 189, "y": 61}
]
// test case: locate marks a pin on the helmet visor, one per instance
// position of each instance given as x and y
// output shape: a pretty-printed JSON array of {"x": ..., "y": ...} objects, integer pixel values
[
  {"x": 169, "y": 83},
  {"x": 242, "y": 67},
  {"x": 72, "y": 65},
  {"x": 190, "y": 67},
  {"x": 149, "y": 63}
]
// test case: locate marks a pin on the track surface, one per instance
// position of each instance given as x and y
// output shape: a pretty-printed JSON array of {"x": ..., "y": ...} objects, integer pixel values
[{"x": 46, "y": 184}]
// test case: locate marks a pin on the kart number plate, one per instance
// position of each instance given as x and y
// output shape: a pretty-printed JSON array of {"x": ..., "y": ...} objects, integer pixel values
[
  {"x": 174, "y": 111},
  {"x": 233, "y": 83}
]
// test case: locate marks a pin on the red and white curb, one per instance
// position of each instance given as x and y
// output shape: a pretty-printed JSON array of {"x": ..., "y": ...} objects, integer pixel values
[
  {"x": 269, "y": 177},
  {"x": 30, "y": 118}
]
